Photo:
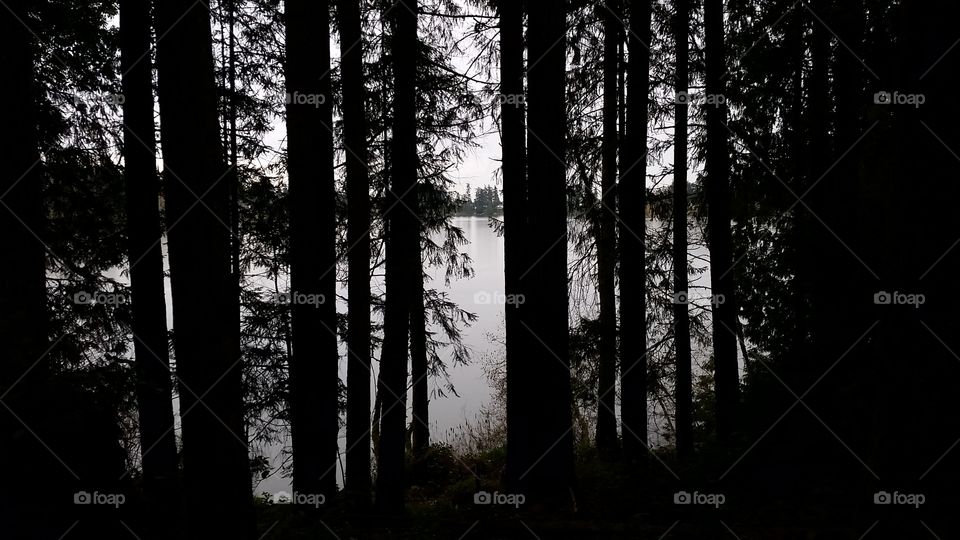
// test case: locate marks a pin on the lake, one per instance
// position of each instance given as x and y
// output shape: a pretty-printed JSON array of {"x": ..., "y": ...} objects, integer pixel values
[{"x": 478, "y": 294}]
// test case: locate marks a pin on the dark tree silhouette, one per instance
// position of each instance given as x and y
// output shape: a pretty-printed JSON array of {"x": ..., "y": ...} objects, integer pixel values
[
  {"x": 203, "y": 285},
  {"x": 314, "y": 379},
  {"x": 632, "y": 196},
  {"x": 358, "y": 255},
  {"x": 727, "y": 374},
  {"x": 419, "y": 368},
  {"x": 401, "y": 259},
  {"x": 26, "y": 368},
  {"x": 151, "y": 348},
  {"x": 551, "y": 436},
  {"x": 514, "y": 148},
  {"x": 611, "y": 14},
  {"x": 681, "y": 315}
]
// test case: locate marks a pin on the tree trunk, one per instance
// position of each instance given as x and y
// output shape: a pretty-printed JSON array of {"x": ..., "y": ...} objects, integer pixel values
[
  {"x": 681, "y": 316},
  {"x": 551, "y": 433},
  {"x": 727, "y": 369},
  {"x": 607, "y": 244},
  {"x": 358, "y": 255},
  {"x": 515, "y": 264},
  {"x": 419, "y": 369},
  {"x": 24, "y": 369},
  {"x": 204, "y": 288},
  {"x": 314, "y": 379},
  {"x": 632, "y": 193},
  {"x": 401, "y": 253},
  {"x": 154, "y": 387}
]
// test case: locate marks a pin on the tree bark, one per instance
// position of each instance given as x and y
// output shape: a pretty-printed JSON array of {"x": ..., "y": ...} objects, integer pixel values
[
  {"x": 515, "y": 265},
  {"x": 25, "y": 369},
  {"x": 551, "y": 473},
  {"x": 314, "y": 378},
  {"x": 151, "y": 348},
  {"x": 204, "y": 288},
  {"x": 681, "y": 316},
  {"x": 401, "y": 252},
  {"x": 358, "y": 256},
  {"x": 632, "y": 193},
  {"x": 607, "y": 244},
  {"x": 419, "y": 369},
  {"x": 726, "y": 365}
]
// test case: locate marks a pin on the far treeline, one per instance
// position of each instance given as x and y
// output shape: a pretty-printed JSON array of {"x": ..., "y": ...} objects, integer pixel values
[{"x": 807, "y": 389}]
